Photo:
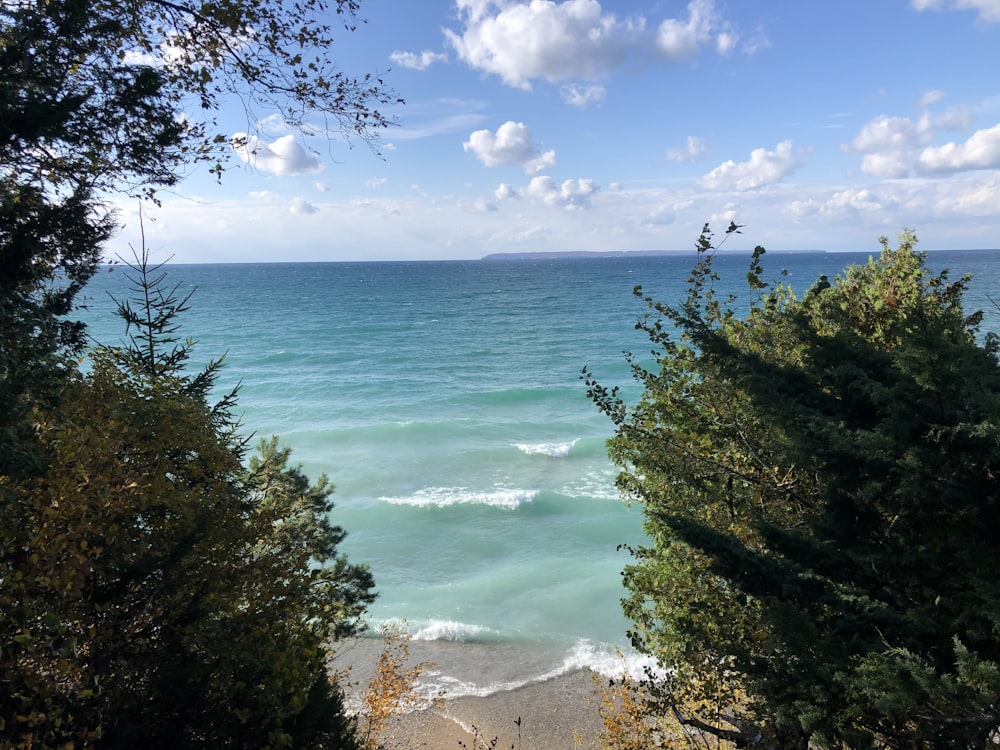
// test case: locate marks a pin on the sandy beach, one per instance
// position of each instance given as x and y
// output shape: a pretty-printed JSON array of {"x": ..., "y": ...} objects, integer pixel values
[{"x": 557, "y": 714}]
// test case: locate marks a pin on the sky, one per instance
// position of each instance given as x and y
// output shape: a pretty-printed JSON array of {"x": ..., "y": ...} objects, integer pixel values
[{"x": 592, "y": 125}]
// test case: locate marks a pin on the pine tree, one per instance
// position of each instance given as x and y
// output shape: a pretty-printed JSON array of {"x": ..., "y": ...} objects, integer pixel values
[{"x": 821, "y": 487}]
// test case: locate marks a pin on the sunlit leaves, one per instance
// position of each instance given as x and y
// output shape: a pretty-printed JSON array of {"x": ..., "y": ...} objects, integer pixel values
[{"x": 817, "y": 476}]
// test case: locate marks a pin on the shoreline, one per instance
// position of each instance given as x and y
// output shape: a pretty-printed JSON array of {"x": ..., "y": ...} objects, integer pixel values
[
  {"x": 557, "y": 714},
  {"x": 475, "y": 692}
]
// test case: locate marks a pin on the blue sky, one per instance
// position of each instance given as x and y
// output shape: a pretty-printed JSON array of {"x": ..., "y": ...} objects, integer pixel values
[{"x": 595, "y": 125}]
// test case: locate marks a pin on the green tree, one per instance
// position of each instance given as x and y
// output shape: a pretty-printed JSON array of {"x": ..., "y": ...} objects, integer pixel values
[
  {"x": 163, "y": 594},
  {"x": 99, "y": 97},
  {"x": 821, "y": 490}
]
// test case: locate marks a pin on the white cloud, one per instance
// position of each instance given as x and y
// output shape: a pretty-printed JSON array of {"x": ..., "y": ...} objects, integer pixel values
[
  {"x": 416, "y": 61},
  {"x": 300, "y": 206},
  {"x": 524, "y": 40},
  {"x": 989, "y": 10},
  {"x": 931, "y": 97},
  {"x": 510, "y": 146},
  {"x": 521, "y": 41},
  {"x": 763, "y": 168},
  {"x": 505, "y": 191},
  {"x": 863, "y": 200},
  {"x": 263, "y": 195},
  {"x": 284, "y": 157},
  {"x": 569, "y": 194},
  {"x": 692, "y": 150},
  {"x": 320, "y": 186},
  {"x": 581, "y": 96},
  {"x": 682, "y": 39},
  {"x": 980, "y": 151},
  {"x": 272, "y": 124},
  {"x": 376, "y": 182},
  {"x": 891, "y": 146}
]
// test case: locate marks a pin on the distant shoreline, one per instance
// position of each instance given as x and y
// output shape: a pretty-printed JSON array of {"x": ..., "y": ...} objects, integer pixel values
[
  {"x": 575, "y": 254},
  {"x": 560, "y": 254}
]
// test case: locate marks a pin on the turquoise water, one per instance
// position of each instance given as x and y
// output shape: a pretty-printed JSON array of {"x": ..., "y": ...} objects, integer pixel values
[{"x": 444, "y": 400}]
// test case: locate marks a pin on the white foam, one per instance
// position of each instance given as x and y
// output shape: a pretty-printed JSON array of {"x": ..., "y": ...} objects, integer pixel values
[
  {"x": 448, "y": 630},
  {"x": 607, "y": 661},
  {"x": 599, "y": 485},
  {"x": 441, "y": 497},
  {"x": 553, "y": 450}
]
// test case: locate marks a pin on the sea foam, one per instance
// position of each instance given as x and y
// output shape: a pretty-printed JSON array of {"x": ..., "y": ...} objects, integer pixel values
[
  {"x": 607, "y": 661},
  {"x": 441, "y": 497},
  {"x": 448, "y": 630},
  {"x": 553, "y": 450}
]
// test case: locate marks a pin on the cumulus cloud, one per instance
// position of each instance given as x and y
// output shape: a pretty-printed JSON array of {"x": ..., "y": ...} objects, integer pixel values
[
  {"x": 989, "y": 10},
  {"x": 511, "y": 145},
  {"x": 283, "y": 157},
  {"x": 414, "y": 61},
  {"x": 569, "y": 194},
  {"x": 891, "y": 146},
  {"x": 524, "y": 40},
  {"x": 520, "y": 41},
  {"x": 692, "y": 150},
  {"x": 684, "y": 38},
  {"x": 505, "y": 191},
  {"x": 853, "y": 201},
  {"x": 300, "y": 206},
  {"x": 763, "y": 168},
  {"x": 980, "y": 151},
  {"x": 582, "y": 96}
]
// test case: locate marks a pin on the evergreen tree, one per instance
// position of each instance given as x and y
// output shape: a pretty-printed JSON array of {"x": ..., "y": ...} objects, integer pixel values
[
  {"x": 102, "y": 97},
  {"x": 821, "y": 490},
  {"x": 162, "y": 593}
]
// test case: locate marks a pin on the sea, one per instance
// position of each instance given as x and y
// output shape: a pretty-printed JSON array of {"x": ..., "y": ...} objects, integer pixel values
[{"x": 444, "y": 401}]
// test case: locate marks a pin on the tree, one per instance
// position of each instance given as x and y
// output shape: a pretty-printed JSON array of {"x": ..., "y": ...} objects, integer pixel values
[
  {"x": 160, "y": 593},
  {"x": 99, "y": 97},
  {"x": 821, "y": 489}
]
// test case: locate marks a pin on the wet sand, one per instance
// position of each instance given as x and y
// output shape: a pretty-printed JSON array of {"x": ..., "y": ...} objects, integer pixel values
[
  {"x": 486, "y": 688},
  {"x": 557, "y": 714}
]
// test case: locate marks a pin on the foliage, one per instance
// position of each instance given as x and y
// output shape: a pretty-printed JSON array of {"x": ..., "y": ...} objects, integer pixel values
[
  {"x": 628, "y": 723},
  {"x": 93, "y": 91},
  {"x": 159, "y": 592},
  {"x": 35, "y": 336},
  {"x": 820, "y": 488},
  {"x": 392, "y": 690},
  {"x": 665, "y": 710},
  {"x": 117, "y": 96}
]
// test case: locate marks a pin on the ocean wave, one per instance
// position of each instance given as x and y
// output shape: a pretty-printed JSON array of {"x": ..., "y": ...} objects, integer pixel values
[
  {"x": 596, "y": 484},
  {"x": 441, "y": 497},
  {"x": 607, "y": 661},
  {"x": 449, "y": 630},
  {"x": 553, "y": 450}
]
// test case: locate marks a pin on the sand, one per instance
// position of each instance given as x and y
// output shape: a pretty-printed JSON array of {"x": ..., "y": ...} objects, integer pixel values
[
  {"x": 554, "y": 714},
  {"x": 557, "y": 712}
]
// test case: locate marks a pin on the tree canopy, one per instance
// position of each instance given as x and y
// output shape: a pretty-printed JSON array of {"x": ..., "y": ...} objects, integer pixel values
[
  {"x": 99, "y": 97},
  {"x": 821, "y": 491},
  {"x": 156, "y": 591}
]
